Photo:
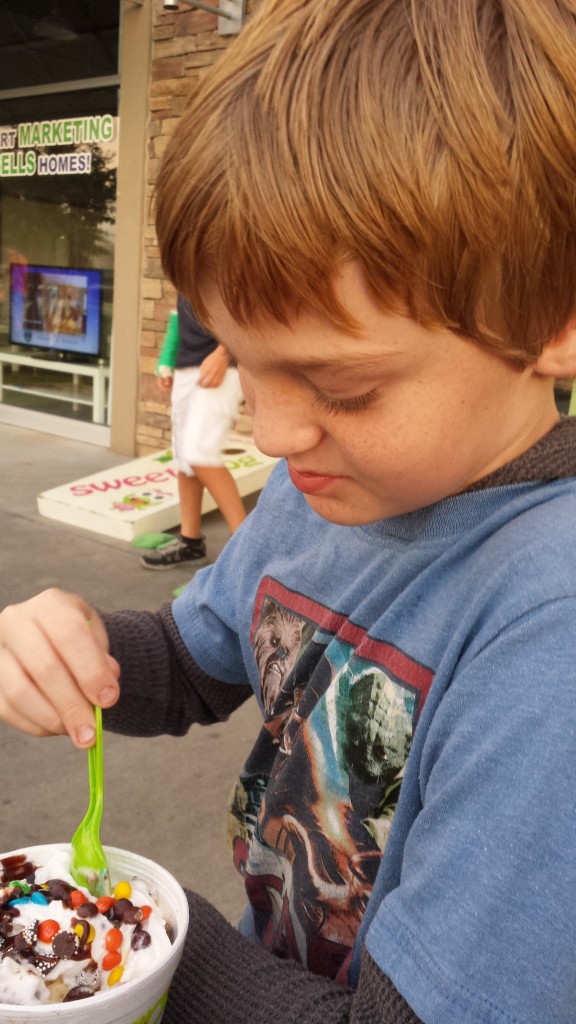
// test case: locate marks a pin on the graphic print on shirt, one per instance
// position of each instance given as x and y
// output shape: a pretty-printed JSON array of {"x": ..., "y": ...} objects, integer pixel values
[{"x": 311, "y": 812}]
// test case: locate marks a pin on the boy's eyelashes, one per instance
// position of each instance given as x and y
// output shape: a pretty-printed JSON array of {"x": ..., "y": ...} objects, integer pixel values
[
  {"x": 332, "y": 405},
  {"x": 344, "y": 405}
]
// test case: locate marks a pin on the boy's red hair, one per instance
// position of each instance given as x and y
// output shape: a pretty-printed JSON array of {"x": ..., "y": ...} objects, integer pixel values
[{"x": 432, "y": 140}]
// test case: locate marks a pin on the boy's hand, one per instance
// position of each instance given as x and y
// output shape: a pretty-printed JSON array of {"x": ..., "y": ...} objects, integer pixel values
[
  {"x": 165, "y": 383},
  {"x": 54, "y": 665},
  {"x": 213, "y": 369}
]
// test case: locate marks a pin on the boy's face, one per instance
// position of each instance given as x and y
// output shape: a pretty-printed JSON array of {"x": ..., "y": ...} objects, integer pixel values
[{"x": 385, "y": 423}]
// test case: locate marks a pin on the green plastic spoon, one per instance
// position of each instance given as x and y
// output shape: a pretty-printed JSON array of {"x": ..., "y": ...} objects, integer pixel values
[{"x": 88, "y": 866}]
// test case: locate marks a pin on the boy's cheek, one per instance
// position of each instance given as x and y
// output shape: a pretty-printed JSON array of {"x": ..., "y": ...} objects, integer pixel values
[{"x": 247, "y": 389}]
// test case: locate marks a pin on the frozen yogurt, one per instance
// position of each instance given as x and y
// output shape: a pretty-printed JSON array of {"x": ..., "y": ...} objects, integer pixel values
[{"x": 58, "y": 943}]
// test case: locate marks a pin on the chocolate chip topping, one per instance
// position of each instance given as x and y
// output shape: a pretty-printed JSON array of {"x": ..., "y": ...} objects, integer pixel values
[
  {"x": 65, "y": 945},
  {"x": 58, "y": 889},
  {"x": 140, "y": 938},
  {"x": 132, "y": 915},
  {"x": 87, "y": 910},
  {"x": 120, "y": 907},
  {"x": 78, "y": 992}
]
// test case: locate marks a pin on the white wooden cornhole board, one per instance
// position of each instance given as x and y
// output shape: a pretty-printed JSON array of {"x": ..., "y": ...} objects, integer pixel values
[{"x": 140, "y": 496}]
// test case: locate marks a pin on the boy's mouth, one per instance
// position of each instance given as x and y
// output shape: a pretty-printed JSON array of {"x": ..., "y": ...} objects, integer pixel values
[{"x": 311, "y": 483}]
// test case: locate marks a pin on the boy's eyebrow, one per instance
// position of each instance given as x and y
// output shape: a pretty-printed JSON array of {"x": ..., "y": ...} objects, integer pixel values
[
  {"x": 336, "y": 367},
  {"x": 342, "y": 362},
  {"x": 347, "y": 362}
]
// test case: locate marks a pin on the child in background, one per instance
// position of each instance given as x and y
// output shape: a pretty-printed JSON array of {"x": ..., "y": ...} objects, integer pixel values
[
  {"x": 372, "y": 204},
  {"x": 205, "y": 398}
]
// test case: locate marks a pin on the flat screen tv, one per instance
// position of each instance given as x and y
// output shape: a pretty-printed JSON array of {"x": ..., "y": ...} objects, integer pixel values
[{"x": 56, "y": 309}]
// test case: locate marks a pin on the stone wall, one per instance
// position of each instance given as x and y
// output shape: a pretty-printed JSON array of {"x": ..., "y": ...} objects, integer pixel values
[{"x": 185, "y": 44}]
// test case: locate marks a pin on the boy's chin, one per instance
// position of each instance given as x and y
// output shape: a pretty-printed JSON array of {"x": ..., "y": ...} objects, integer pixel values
[{"x": 345, "y": 513}]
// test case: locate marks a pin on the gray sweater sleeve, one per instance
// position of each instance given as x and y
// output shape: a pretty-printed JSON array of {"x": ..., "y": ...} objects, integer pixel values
[
  {"x": 162, "y": 689},
  {"x": 224, "y": 977}
]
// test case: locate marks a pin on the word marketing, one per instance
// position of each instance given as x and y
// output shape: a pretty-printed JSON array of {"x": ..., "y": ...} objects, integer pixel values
[{"x": 18, "y": 145}]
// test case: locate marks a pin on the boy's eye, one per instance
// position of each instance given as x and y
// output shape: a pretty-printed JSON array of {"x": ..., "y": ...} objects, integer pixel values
[{"x": 344, "y": 405}]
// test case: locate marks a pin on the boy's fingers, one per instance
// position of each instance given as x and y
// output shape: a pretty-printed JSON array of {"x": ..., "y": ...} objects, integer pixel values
[
  {"x": 115, "y": 668},
  {"x": 18, "y": 695},
  {"x": 38, "y": 686},
  {"x": 58, "y": 651},
  {"x": 61, "y": 633}
]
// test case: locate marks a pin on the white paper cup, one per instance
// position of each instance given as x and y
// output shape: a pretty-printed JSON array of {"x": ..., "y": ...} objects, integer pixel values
[{"x": 140, "y": 1001}]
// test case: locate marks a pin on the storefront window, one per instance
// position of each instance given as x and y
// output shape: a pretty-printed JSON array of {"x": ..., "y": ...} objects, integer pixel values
[{"x": 58, "y": 160}]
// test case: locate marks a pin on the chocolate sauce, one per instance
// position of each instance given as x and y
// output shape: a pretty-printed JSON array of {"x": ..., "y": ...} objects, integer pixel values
[{"x": 15, "y": 868}]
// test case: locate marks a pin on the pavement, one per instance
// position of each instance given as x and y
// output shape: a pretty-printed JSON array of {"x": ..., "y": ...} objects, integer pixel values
[{"x": 165, "y": 797}]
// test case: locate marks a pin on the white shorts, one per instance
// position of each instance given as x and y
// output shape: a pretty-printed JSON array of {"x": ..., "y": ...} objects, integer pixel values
[{"x": 201, "y": 418}]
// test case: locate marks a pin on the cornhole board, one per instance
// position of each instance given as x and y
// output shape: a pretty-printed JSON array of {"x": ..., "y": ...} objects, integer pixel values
[{"x": 142, "y": 495}]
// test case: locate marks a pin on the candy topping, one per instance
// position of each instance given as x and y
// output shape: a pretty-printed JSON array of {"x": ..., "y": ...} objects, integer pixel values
[
  {"x": 84, "y": 944},
  {"x": 115, "y": 975},
  {"x": 104, "y": 903},
  {"x": 23, "y": 886},
  {"x": 47, "y": 930},
  {"x": 111, "y": 960},
  {"x": 113, "y": 939},
  {"x": 39, "y": 898},
  {"x": 122, "y": 891}
]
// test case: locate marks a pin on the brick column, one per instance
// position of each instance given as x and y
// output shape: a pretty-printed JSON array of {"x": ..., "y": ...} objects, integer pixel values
[{"x": 186, "y": 42}]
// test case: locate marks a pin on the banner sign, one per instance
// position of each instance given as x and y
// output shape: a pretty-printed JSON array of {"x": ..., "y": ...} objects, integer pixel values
[
  {"x": 142, "y": 495},
  {"x": 21, "y": 147}
]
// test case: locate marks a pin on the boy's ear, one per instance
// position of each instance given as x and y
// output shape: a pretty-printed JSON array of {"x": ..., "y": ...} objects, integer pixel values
[{"x": 559, "y": 357}]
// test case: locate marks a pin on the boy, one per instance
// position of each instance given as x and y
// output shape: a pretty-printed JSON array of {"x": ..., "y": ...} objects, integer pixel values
[
  {"x": 372, "y": 205},
  {"x": 206, "y": 394}
]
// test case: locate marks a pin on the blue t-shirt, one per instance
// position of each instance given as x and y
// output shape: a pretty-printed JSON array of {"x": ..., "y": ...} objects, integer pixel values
[{"x": 413, "y": 785}]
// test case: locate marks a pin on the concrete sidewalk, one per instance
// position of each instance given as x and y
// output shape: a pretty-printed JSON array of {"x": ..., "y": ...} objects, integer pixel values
[{"x": 165, "y": 797}]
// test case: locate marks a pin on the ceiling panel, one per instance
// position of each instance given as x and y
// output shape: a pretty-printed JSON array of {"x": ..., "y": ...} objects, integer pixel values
[{"x": 49, "y": 41}]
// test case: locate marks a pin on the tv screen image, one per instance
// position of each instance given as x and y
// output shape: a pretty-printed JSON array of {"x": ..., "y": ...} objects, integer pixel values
[{"x": 58, "y": 309}]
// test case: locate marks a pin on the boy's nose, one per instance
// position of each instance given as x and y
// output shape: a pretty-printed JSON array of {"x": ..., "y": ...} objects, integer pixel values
[{"x": 284, "y": 423}]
